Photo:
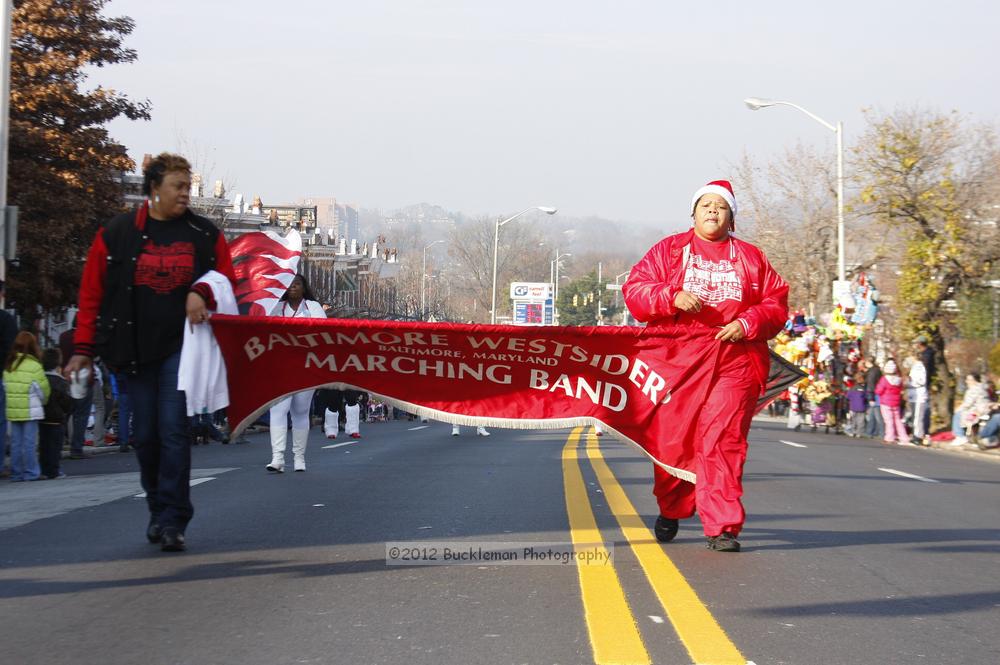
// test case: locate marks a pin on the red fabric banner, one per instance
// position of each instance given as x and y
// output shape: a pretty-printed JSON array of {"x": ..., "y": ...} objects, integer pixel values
[
  {"x": 641, "y": 383},
  {"x": 265, "y": 263}
]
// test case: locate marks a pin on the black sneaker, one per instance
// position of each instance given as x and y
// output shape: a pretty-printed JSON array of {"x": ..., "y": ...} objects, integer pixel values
[
  {"x": 665, "y": 529},
  {"x": 724, "y": 542},
  {"x": 154, "y": 532},
  {"x": 172, "y": 540}
]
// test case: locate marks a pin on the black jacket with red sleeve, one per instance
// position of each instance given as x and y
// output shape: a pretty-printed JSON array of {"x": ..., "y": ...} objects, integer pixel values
[{"x": 106, "y": 322}]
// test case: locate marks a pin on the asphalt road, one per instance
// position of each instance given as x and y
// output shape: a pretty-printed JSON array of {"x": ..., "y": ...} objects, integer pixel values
[{"x": 854, "y": 552}]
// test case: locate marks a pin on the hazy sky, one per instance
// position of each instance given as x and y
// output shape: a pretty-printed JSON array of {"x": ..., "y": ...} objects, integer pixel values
[{"x": 619, "y": 109}]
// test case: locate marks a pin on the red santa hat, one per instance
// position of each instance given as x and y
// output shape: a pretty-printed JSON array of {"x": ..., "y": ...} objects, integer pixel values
[{"x": 721, "y": 187}]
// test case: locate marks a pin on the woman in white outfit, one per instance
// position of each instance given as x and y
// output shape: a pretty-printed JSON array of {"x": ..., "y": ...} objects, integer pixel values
[{"x": 297, "y": 302}]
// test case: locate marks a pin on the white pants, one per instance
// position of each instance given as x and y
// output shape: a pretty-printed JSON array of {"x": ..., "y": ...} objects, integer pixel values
[
  {"x": 298, "y": 404},
  {"x": 353, "y": 414},
  {"x": 331, "y": 423},
  {"x": 919, "y": 408}
]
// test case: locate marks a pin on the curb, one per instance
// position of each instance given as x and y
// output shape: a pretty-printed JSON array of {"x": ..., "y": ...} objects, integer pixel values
[
  {"x": 969, "y": 449},
  {"x": 92, "y": 451}
]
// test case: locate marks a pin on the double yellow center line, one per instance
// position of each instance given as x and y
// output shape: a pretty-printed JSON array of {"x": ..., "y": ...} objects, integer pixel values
[{"x": 614, "y": 633}]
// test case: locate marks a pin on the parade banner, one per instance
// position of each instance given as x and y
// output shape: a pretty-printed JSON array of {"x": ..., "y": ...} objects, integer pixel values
[{"x": 644, "y": 384}]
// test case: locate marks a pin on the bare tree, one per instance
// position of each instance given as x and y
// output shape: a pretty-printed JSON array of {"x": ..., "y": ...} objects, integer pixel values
[
  {"x": 789, "y": 209},
  {"x": 520, "y": 255}
]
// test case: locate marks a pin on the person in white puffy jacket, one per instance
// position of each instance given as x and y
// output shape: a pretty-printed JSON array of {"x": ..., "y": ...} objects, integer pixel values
[{"x": 298, "y": 302}]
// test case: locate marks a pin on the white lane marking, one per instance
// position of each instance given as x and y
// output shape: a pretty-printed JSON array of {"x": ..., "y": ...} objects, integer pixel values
[
  {"x": 194, "y": 481},
  {"x": 909, "y": 475},
  {"x": 793, "y": 444},
  {"x": 414, "y": 429},
  {"x": 338, "y": 445},
  {"x": 654, "y": 618}
]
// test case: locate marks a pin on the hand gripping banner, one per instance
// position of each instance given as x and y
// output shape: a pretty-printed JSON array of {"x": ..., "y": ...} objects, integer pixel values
[{"x": 641, "y": 383}]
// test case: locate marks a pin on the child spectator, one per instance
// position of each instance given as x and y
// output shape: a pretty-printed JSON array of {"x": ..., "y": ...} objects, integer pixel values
[
  {"x": 27, "y": 390},
  {"x": 52, "y": 430},
  {"x": 857, "y": 404},
  {"x": 890, "y": 395}
]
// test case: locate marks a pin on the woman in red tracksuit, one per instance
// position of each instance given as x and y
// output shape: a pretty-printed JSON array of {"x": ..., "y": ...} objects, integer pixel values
[{"x": 705, "y": 279}]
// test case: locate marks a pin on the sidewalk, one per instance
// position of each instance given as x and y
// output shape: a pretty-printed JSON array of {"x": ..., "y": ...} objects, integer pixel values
[{"x": 968, "y": 449}]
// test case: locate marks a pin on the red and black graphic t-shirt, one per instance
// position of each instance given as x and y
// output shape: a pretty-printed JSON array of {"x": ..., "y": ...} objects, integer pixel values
[{"x": 164, "y": 272}]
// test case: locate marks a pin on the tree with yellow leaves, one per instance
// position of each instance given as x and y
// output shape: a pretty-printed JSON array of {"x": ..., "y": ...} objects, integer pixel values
[{"x": 929, "y": 181}]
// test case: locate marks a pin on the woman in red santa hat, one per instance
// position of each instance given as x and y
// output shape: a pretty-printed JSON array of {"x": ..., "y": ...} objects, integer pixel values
[{"x": 705, "y": 278}]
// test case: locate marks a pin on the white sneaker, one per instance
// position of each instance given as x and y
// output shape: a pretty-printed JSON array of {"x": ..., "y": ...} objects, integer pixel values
[{"x": 959, "y": 441}]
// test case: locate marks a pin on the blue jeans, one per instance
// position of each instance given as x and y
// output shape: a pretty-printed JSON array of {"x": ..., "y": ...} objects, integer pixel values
[
  {"x": 874, "y": 425},
  {"x": 163, "y": 442},
  {"x": 3, "y": 422},
  {"x": 23, "y": 458},
  {"x": 991, "y": 427},
  {"x": 124, "y": 411},
  {"x": 956, "y": 424}
]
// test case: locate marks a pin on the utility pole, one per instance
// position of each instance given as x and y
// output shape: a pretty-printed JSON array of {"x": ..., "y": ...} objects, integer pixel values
[
  {"x": 4, "y": 134},
  {"x": 600, "y": 317}
]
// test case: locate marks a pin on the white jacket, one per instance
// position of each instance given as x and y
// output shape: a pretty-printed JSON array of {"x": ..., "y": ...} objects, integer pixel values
[
  {"x": 918, "y": 381},
  {"x": 202, "y": 373},
  {"x": 308, "y": 309}
]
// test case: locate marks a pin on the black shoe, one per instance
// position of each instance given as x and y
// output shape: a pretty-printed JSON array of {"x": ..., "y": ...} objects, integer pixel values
[
  {"x": 154, "y": 532},
  {"x": 172, "y": 540},
  {"x": 724, "y": 542},
  {"x": 665, "y": 529}
]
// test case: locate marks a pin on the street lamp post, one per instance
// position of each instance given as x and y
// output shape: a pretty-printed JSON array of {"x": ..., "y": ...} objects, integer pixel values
[
  {"x": 423, "y": 281},
  {"x": 496, "y": 244},
  {"x": 754, "y": 104},
  {"x": 618, "y": 288},
  {"x": 554, "y": 276}
]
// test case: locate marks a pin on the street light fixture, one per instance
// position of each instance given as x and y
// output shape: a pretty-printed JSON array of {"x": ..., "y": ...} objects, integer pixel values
[
  {"x": 423, "y": 281},
  {"x": 496, "y": 243},
  {"x": 755, "y": 104}
]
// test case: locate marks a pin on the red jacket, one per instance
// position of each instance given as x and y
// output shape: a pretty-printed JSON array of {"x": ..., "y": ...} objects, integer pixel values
[{"x": 655, "y": 281}]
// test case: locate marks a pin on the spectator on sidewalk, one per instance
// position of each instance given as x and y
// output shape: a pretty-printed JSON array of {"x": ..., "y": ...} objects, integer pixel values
[
  {"x": 27, "y": 390},
  {"x": 874, "y": 424},
  {"x": 890, "y": 395},
  {"x": 8, "y": 331},
  {"x": 926, "y": 355},
  {"x": 918, "y": 385},
  {"x": 975, "y": 406},
  {"x": 119, "y": 384},
  {"x": 857, "y": 404},
  {"x": 99, "y": 434},
  {"x": 52, "y": 429}
]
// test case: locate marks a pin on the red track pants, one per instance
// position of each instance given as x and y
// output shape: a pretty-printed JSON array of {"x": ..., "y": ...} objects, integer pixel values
[{"x": 721, "y": 449}]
